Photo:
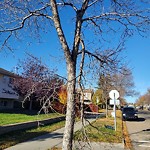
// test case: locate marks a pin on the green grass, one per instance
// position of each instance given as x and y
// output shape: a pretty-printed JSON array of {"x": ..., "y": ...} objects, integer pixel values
[
  {"x": 7, "y": 118},
  {"x": 13, "y": 138},
  {"x": 99, "y": 133}
]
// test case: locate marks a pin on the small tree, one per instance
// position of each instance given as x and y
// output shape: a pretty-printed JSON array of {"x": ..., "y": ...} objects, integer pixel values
[
  {"x": 98, "y": 95},
  {"x": 37, "y": 83}
]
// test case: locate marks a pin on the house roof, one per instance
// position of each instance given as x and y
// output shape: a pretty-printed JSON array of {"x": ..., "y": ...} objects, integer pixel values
[
  {"x": 86, "y": 90},
  {"x": 8, "y": 73}
]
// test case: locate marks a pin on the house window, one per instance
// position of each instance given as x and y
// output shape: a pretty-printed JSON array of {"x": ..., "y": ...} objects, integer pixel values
[
  {"x": 4, "y": 79},
  {"x": 87, "y": 96},
  {"x": 3, "y": 103},
  {"x": 10, "y": 80}
]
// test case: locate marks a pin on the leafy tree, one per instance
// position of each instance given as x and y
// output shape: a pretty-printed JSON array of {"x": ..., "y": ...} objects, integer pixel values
[{"x": 92, "y": 25}]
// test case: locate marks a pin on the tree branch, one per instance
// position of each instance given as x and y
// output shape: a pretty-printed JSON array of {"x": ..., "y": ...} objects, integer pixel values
[
  {"x": 79, "y": 16},
  {"x": 95, "y": 56},
  {"x": 5, "y": 41},
  {"x": 92, "y": 3},
  {"x": 59, "y": 30},
  {"x": 19, "y": 27},
  {"x": 68, "y": 4}
]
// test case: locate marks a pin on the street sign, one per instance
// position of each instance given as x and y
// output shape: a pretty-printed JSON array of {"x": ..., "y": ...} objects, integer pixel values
[
  {"x": 112, "y": 102},
  {"x": 114, "y": 94}
]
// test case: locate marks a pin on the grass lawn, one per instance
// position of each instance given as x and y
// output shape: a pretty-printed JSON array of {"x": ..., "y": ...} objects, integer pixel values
[
  {"x": 98, "y": 132},
  {"x": 11, "y": 118},
  {"x": 13, "y": 138}
]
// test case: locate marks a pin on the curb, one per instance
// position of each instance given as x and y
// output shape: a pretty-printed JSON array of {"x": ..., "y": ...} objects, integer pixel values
[{"x": 26, "y": 125}]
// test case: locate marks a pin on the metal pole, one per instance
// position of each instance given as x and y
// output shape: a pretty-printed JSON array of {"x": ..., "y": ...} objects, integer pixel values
[{"x": 114, "y": 112}]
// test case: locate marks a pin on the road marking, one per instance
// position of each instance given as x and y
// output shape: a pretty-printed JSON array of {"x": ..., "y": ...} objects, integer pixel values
[
  {"x": 144, "y": 141},
  {"x": 144, "y": 145}
]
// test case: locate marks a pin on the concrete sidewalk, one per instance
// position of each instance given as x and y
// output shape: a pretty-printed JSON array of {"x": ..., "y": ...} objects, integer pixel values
[{"x": 52, "y": 139}]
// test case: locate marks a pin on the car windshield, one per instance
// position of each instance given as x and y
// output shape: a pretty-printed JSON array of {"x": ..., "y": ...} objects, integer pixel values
[{"x": 128, "y": 109}]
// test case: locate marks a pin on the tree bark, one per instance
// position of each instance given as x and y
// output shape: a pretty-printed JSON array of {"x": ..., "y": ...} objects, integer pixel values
[
  {"x": 71, "y": 72},
  {"x": 70, "y": 114}
]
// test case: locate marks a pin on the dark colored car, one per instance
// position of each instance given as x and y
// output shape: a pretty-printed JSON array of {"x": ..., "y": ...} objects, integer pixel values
[{"x": 129, "y": 113}]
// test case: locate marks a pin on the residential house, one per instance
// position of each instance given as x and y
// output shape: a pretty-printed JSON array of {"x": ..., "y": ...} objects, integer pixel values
[
  {"x": 8, "y": 96},
  {"x": 87, "y": 96}
]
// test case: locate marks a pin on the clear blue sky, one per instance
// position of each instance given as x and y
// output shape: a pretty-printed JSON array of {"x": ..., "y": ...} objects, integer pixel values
[
  {"x": 138, "y": 56},
  {"x": 137, "y": 53}
]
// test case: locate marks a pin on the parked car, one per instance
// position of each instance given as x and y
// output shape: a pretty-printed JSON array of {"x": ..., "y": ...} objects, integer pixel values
[{"x": 129, "y": 113}]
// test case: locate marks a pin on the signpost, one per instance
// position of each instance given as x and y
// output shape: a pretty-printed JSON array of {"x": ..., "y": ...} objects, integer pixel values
[
  {"x": 111, "y": 102},
  {"x": 114, "y": 95}
]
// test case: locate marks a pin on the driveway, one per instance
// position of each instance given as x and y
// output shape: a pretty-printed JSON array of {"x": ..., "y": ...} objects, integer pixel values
[{"x": 139, "y": 131}]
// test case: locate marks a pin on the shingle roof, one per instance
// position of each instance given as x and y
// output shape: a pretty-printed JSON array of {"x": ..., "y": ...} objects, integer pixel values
[{"x": 5, "y": 72}]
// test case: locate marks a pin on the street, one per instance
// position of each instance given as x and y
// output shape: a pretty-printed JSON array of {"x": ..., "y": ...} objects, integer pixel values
[{"x": 139, "y": 131}]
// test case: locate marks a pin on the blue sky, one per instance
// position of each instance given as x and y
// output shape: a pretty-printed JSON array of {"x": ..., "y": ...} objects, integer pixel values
[{"x": 137, "y": 54}]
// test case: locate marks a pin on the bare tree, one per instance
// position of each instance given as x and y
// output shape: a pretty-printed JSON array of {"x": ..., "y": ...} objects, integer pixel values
[
  {"x": 37, "y": 83},
  {"x": 120, "y": 80},
  {"x": 93, "y": 25},
  {"x": 144, "y": 99},
  {"x": 123, "y": 81}
]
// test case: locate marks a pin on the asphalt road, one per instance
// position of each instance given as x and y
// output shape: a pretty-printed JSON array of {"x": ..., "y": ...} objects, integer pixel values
[{"x": 139, "y": 131}]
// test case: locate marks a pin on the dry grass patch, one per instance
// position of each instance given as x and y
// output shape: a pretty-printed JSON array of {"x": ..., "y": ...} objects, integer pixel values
[{"x": 102, "y": 131}]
